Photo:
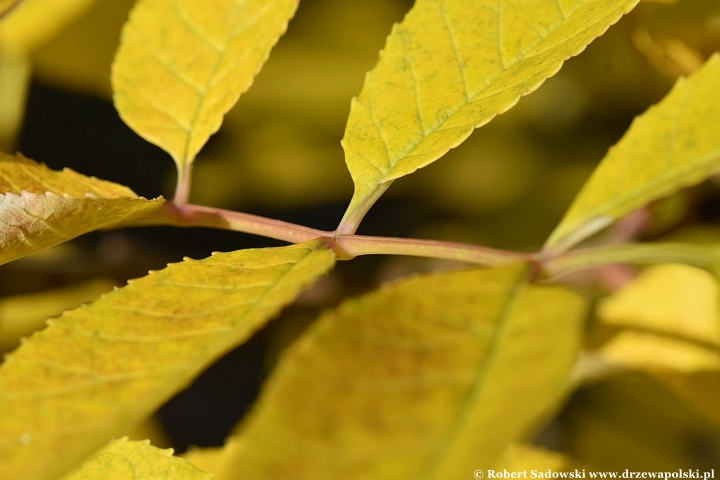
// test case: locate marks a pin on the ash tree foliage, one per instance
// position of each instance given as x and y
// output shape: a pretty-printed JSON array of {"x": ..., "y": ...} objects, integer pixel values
[{"x": 433, "y": 376}]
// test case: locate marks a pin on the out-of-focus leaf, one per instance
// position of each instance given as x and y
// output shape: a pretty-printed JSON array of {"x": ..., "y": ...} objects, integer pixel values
[
  {"x": 676, "y": 308},
  {"x": 672, "y": 299},
  {"x": 671, "y": 304},
  {"x": 14, "y": 81},
  {"x": 700, "y": 389},
  {"x": 127, "y": 460},
  {"x": 40, "y": 207},
  {"x": 23, "y": 314},
  {"x": 416, "y": 378},
  {"x": 100, "y": 369},
  {"x": 673, "y": 145},
  {"x": 6, "y": 6},
  {"x": 669, "y": 55},
  {"x": 79, "y": 58},
  {"x": 151, "y": 429},
  {"x": 451, "y": 66},
  {"x": 34, "y": 22},
  {"x": 632, "y": 422},
  {"x": 674, "y": 38},
  {"x": 181, "y": 65},
  {"x": 658, "y": 353},
  {"x": 522, "y": 457},
  {"x": 215, "y": 459}
]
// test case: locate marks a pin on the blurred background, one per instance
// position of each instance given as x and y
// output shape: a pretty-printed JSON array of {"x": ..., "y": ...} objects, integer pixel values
[{"x": 278, "y": 154}]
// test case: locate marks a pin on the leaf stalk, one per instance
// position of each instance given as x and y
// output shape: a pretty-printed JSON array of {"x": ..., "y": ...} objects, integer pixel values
[{"x": 346, "y": 246}]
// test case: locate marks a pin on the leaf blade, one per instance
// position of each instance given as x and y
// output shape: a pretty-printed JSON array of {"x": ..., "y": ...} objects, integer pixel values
[
  {"x": 682, "y": 130},
  {"x": 387, "y": 386},
  {"x": 99, "y": 369},
  {"x": 33, "y": 23},
  {"x": 442, "y": 74},
  {"x": 136, "y": 460},
  {"x": 174, "y": 84},
  {"x": 40, "y": 207}
]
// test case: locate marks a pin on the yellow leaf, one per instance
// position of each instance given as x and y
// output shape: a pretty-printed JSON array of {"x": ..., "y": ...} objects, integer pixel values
[
  {"x": 79, "y": 58},
  {"x": 182, "y": 64},
  {"x": 6, "y": 6},
  {"x": 676, "y": 307},
  {"x": 98, "y": 370},
  {"x": 40, "y": 207},
  {"x": 23, "y": 314},
  {"x": 524, "y": 457},
  {"x": 34, "y": 22},
  {"x": 631, "y": 422},
  {"x": 657, "y": 353},
  {"x": 126, "y": 460},
  {"x": 451, "y": 66},
  {"x": 14, "y": 81},
  {"x": 672, "y": 299},
  {"x": 215, "y": 459},
  {"x": 673, "y": 145},
  {"x": 419, "y": 377},
  {"x": 701, "y": 389}
]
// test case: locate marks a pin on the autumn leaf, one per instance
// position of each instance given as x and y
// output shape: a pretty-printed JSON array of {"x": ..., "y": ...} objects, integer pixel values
[
  {"x": 21, "y": 315},
  {"x": 125, "y": 460},
  {"x": 451, "y": 66},
  {"x": 418, "y": 379},
  {"x": 520, "y": 457},
  {"x": 100, "y": 369},
  {"x": 672, "y": 299},
  {"x": 669, "y": 320},
  {"x": 672, "y": 331},
  {"x": 34, "y": 22},
  {"x": 40, "y": 207},
  {"x": 6, "y": 6},
  {"x": 183, "y": 64},
  {"x": 673, "y": 145},
  {"x": 215, "y": 459}
]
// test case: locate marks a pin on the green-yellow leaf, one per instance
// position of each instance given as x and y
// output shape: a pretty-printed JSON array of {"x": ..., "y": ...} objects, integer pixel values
[
  {"x": 98, "y": 370},
  {"x": 125, "y": 460},
  {"x": 417, "y": 380},
  {"x": 675, "y": 144},
  {"x": 182, "y": 64},
  {"x": 40, "y": 207},
  {"x": 34, "y": 22},
  {"x": 451, "y": 66}
]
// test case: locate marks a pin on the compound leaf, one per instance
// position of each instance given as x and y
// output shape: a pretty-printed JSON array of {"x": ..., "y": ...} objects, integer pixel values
[
  {"x": 100, "y": 369},
  {"x": 40, "y": 207},
  {"x": 417, "y": 380},
  {"x": 675, "y": 144},
  {"x": 183, "y": 64},
  {"x": 451, "y": 66},
  {"x": 126, "y": 460}
]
